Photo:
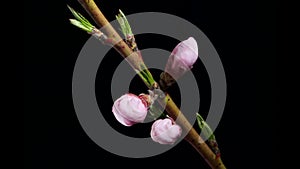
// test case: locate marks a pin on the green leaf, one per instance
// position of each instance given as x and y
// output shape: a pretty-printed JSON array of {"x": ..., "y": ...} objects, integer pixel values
[
  {"x": 84, "y": 20},
  {"x": 142, "y": 76},
  {"x": 78, "y": 24},
  {"x": 147, "y": 74},
  {"x": 81, "y": 21},
  {"x": 124, "y": 24},
  {"x": 207, "y": 131}
]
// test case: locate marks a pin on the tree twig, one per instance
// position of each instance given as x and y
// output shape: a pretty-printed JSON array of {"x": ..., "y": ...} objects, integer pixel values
[{"x": 173, "y": 111}]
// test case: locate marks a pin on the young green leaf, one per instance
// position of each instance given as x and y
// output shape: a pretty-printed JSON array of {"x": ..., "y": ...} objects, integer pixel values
[{"x": 81, "y": 21}]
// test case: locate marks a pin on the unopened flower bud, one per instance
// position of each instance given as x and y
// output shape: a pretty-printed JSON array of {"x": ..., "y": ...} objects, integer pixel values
[
  {"x": 130, "y": 109},
  {"x": 165, "y": 131}
]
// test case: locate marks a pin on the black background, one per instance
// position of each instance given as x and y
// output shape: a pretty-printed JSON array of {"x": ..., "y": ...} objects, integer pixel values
[{"x": 243, "y": 33}]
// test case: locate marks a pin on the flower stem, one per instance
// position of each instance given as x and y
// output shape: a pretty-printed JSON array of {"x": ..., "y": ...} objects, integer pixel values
[{"x": 173, "y": 111}]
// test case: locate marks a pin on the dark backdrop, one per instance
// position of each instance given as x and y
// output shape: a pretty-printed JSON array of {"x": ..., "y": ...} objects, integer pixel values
[{"x": 243, "y": 33}]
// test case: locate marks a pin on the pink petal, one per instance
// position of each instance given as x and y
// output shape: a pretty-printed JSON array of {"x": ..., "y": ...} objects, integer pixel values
[{"x": 192, "y": 44}]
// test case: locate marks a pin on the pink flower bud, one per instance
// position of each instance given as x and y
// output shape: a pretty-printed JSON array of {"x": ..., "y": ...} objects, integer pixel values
[
  {"x": 129, "y": 109},
  {"x": 165, "y": 131},
  {"x": 182, "y": 58}
]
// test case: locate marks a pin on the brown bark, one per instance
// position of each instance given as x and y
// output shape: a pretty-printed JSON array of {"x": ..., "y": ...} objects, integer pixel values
[
  {"x": 173, "y": 111},
  {"x": 133, "y": 57},
  {"x": 192, "y": 136}
]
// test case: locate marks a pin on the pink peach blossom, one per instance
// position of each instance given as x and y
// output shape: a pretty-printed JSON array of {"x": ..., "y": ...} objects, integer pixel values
[
  {"x": 165, "y": 131},
  {"x": 129, "y": 109},
  {"x": 182, "y": 58}
]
